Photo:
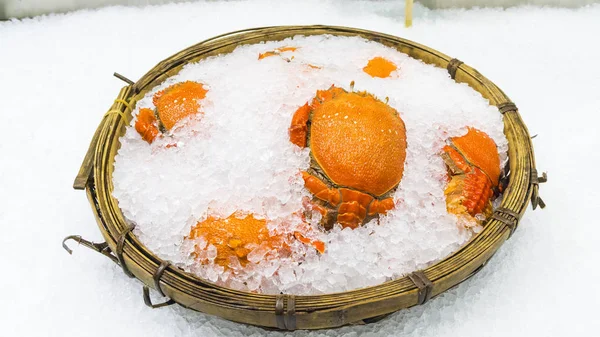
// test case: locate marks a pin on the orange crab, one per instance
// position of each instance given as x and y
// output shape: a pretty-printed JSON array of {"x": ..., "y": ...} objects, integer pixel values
[
  {"x": 282, "y": 52},
  {"x": 358, "y": 147},
  {"x": 235, "y": 237},
  {"x": 277, "y": 51},
  {"x": 172, "y": 105},
  {"x": 474, "y": 171},
  {"x": 380, "y": 67}
]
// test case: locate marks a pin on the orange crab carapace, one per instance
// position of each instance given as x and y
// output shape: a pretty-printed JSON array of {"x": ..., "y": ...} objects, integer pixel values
[
  {"x": 358, "y": 147},
  {"x": 172, "y": 105},
  {"x": 474, "y": 169},
  {"x": 237, "y": 236}
]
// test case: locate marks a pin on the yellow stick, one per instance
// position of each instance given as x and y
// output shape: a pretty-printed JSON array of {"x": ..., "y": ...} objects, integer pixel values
[{"x": 408, "y": 13}]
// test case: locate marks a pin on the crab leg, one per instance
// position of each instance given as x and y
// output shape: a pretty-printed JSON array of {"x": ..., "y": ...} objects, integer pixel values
[
  {"x": 298, "y": 129},
  {"x": 381, "y": 206},
  {"x": 353, "y": 206},
  {"x": 469, "y": 193},
  {"x": 147, "y": 125},
  {"x": 353, "y": 209},
  {"x": 320, "y": 190},
  {"x": 326, "y": 95}
]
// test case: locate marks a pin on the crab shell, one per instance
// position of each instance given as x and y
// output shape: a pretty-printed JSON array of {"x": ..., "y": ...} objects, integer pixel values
[
  {"x": 236, "y": 236},
  {"x": 474, "y": 169},
  {"x": 172, "y": 105},
  {"x": 358, "y": 148}
]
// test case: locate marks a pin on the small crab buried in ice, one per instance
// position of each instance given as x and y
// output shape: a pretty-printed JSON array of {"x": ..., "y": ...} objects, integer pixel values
[
  {"x": 283, "y": 53},
  {"x": 239, "y": 239},
  {"x": 380, "y": 67},
  {"x": 172, "y": 105},
  {"x": 357, "y": 147},
  {"x": 474, "y": 172}
]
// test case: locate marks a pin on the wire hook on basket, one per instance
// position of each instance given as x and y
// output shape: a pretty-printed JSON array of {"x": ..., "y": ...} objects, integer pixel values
[
  {"x": 156, "y": 277},
  {"x": 148, "y": 301},
  {"x": 101, "y": 248},
  {"x": 536, "y": 200}
]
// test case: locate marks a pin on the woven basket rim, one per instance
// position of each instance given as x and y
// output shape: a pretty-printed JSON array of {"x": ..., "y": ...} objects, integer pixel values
[{"x": 337, "y": 308}]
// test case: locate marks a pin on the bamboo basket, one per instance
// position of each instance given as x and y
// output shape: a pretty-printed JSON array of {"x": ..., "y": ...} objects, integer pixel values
[{"x": 284, "y": 311}]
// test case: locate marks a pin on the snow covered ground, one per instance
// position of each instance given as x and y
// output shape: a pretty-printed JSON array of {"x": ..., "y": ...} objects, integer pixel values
[{"x": 56, "y": 83}]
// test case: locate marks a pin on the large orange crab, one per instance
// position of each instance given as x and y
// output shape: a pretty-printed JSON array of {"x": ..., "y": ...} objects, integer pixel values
[
  {"x": 474, "y": 170},
  {"x": 172, "y": 105},
  {"x": 237, "y": 236},
  {"x": 358, "y": 147}
]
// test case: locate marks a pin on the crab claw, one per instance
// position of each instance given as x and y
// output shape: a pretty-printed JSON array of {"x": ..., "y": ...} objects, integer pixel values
[
  {"x": 298, "y": 130},
  {"x": 474, "y": 171},
  {"x": 147, "y": 125}
]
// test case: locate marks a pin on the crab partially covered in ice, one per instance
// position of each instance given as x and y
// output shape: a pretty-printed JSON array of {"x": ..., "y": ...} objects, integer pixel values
[
  {"x": 281, "y": 51},
  {"x": 239, "y": 239},
  {"x": 380, "y": 67},
  {"x": 171, "y": 105},
  {"x": 286, "y": 53},
  {"x": 474, "y": 171},
  {"x": 357, "y": 146}
]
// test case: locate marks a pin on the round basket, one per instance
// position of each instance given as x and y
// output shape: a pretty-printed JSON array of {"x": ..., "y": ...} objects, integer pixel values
[{"x": 288, "y": 311}]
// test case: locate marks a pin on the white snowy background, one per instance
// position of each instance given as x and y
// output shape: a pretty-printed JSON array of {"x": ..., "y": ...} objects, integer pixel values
[{"x": 56, "y": 83}]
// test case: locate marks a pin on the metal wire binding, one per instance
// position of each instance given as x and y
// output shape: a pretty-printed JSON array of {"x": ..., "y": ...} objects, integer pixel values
[
  {"x": 507, "y": 217},
  {"x": 119, "y": 251},
  {"x": 286, "y": 319},
  {"x": 148, "y": 301},
  {"x": 453, "y": 67},
  {"x": 424, "y": 284},
  {"x": 535, "y": 195},
  {"x": 506, "y": 107},
  {"x": 158, "y": 274}
]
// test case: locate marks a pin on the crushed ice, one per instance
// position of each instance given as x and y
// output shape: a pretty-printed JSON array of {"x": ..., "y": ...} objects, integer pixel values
[{"x": 238, "y": 158}]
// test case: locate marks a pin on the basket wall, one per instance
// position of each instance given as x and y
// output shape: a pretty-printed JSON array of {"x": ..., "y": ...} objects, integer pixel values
[{"x": 302, "y": 312}]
